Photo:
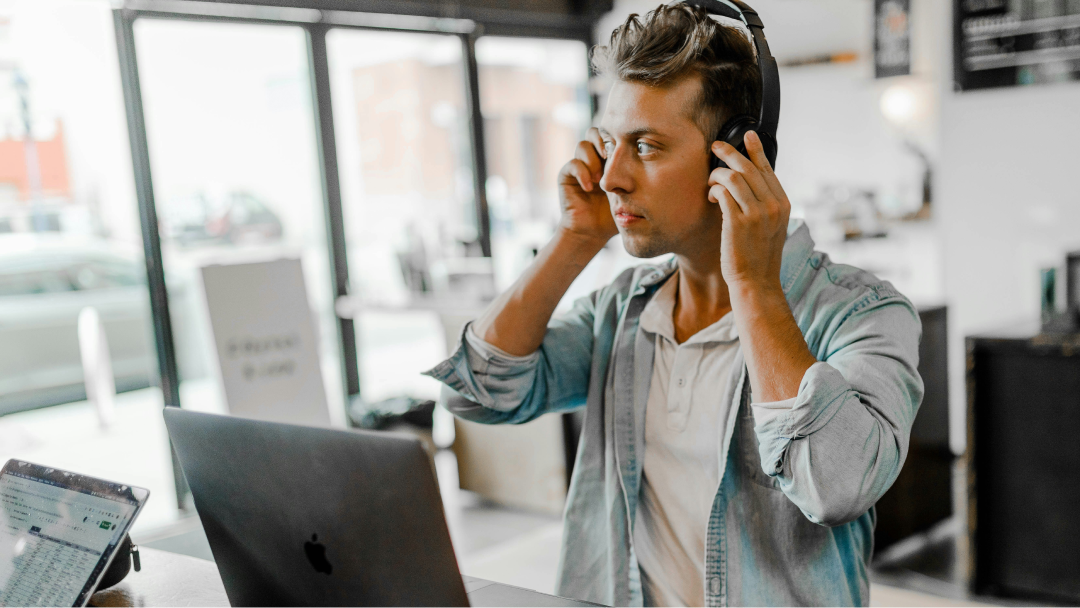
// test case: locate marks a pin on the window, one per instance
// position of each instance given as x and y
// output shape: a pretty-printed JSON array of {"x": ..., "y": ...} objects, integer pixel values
[
  {"x": 404, "y": 158},
  {"x": 536, "y": 105},
  {"x": 231, "y": 135},
  {"x": 535, "y": 102}
]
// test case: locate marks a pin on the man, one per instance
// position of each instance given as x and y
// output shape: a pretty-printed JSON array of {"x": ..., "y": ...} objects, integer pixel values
[{"x": 746, "y": 402}]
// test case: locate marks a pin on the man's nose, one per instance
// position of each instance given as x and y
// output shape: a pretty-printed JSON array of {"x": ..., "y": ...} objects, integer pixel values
[{"x": 617, "y": 172}]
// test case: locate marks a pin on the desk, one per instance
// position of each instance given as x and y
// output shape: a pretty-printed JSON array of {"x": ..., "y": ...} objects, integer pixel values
[
  {"x": 166, "y": 579},
  {"x": 169, "y": 580}
]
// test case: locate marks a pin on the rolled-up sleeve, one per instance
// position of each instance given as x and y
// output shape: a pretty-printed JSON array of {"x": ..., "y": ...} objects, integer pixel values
[
  {"x": 503, "y": 388},
  {"x": 764, "y": 412},
  {"x": 842, "y": 444}
]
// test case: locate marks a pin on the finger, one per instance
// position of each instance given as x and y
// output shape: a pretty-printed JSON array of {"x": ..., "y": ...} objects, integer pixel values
[
  {"x": 736, "y": 185},
  {"x": 720, "y": 195},
  {"x": 577, "y": 170},
  {"x": 729, "y": 210},
  {"x": 737, "y": 162},
  {"x": 593, "y": 136},
  {"x": 586, "y": 152},
  {"x": 756, "y": 151}
]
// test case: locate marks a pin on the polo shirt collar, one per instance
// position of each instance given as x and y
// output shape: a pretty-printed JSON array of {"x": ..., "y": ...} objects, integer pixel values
[{"x": 658, "y": 318}]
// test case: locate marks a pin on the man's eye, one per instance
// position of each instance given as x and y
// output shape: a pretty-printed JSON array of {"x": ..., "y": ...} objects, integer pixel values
[{"x": 644, "y": 148}]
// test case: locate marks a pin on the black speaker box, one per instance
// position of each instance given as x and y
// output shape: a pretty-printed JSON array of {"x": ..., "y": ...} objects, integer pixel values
[{"x": 1024, "y": 466}]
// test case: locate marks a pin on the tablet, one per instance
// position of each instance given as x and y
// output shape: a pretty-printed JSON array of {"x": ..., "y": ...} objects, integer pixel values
[{"x": 58, "y": 533}]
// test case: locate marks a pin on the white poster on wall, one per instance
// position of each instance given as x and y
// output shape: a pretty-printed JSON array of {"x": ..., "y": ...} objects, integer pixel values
[{"x": 265, "y": 340}]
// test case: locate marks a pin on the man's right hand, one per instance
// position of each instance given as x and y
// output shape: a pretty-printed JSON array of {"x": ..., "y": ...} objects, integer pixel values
[
  {"x": 517, "y": 320},
  {"x": 585, "y": 208}
]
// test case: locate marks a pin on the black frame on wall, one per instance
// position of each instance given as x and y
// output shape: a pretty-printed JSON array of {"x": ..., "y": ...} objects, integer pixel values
[{"x": 317, "y": 18}]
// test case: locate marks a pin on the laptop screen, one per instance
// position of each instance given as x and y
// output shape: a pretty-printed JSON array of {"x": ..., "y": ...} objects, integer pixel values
[{"x": 58, "y": 532}]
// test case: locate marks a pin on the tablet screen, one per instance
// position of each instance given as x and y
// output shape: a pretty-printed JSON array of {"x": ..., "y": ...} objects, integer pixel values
[{"x": 58, "y": 533}]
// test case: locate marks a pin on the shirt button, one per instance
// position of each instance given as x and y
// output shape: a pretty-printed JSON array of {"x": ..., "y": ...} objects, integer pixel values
[
  {"x": 681, "y": 381},
  {"x": 714, "y": 585}
]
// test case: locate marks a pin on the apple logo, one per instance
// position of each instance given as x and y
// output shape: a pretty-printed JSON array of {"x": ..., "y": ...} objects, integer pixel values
[{"x": 316, "y": 554}]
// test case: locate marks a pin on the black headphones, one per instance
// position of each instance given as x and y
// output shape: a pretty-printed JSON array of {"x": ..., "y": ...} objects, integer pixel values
[{"x": 765, "y": 125}]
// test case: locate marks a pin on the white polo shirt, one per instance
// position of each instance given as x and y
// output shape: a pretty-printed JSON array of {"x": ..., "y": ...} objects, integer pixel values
[{"x": 685, "y": 420}]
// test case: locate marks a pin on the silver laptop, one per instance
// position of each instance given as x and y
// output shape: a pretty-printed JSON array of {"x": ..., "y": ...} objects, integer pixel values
[{"x": 304, "y": 516}]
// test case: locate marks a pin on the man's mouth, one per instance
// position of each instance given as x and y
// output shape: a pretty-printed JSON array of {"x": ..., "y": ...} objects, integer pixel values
[{"x": 624, "y": 217}]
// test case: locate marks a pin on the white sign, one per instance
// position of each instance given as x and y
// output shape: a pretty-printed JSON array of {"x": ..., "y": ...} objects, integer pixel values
[{"x": 265, "y": 340}]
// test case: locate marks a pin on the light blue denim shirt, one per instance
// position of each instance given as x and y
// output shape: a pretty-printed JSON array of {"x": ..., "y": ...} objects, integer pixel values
[{"x": 792, "y": 521}]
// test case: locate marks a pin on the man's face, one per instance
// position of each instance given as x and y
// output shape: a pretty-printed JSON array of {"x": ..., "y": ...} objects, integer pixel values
[{"x": 657, "y": 169}]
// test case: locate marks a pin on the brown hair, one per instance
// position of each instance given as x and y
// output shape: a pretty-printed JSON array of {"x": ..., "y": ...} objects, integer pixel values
[{"x": 677, "y": 41}]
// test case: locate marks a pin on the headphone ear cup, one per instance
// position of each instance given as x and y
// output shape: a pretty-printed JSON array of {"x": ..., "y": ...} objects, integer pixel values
[
  {"x": 770, "y": 146},
  {"x": 733, "y": 133}
]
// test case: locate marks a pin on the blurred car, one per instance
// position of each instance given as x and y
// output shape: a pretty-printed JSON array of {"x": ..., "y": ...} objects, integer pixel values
[
  {"x": 50, "y": 214},
  {"x": 45, "y": 280},
  {"x": 236, "y": 217}
]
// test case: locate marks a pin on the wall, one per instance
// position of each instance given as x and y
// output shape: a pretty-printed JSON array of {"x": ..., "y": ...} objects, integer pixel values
[
  {"x": 831, "y": 132},
  {"x": 1010, "y": 196},
  {"x": 1009, "y": 202}
]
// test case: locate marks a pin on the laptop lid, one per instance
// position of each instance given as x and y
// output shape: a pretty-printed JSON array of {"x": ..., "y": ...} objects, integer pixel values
[
  {"x": 311, "y": 516},
  {"x": 59, "y": 533}
]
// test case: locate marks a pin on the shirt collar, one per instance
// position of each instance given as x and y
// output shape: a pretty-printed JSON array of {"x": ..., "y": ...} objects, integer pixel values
[{"x": 658, "y": 318}]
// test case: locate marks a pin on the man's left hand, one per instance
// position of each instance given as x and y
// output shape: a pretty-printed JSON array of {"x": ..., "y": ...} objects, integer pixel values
[
  {"x": 756, "y": 211},
  {"x": 752, "y": 245}
]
